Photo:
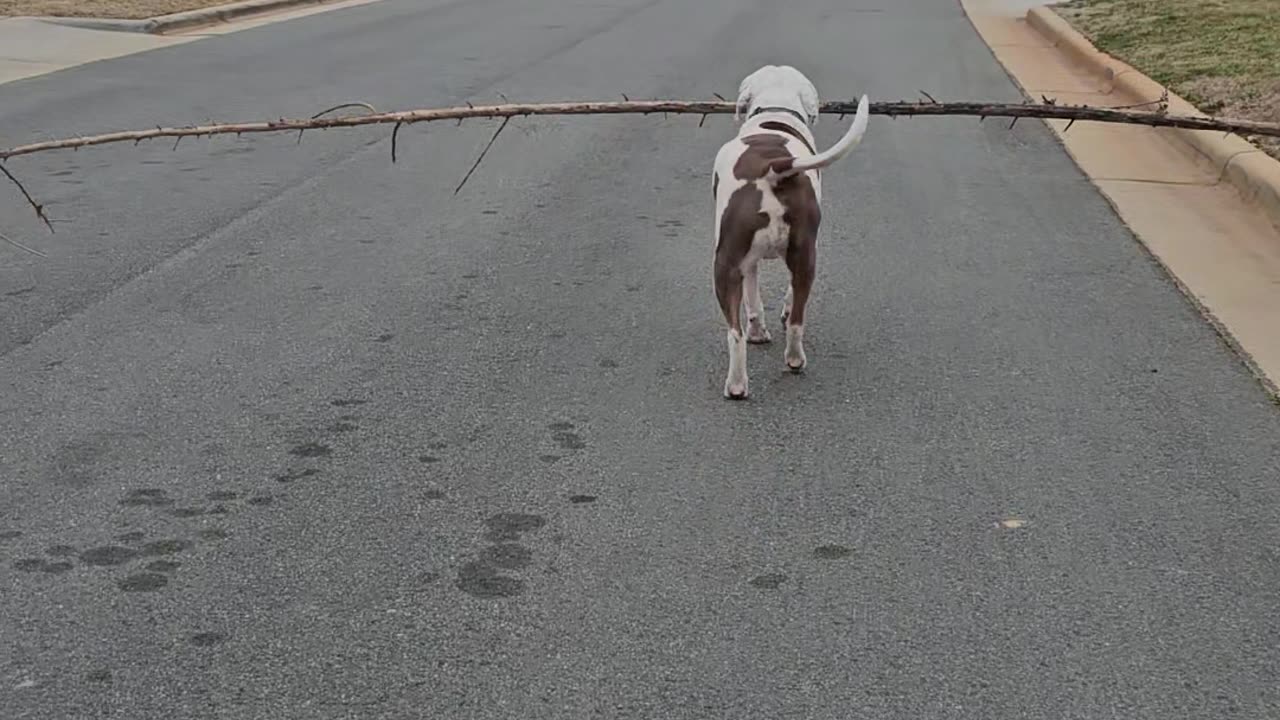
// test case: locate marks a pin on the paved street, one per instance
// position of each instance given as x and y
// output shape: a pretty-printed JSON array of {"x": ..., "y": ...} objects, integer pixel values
[{"x": 288, "y": 431}]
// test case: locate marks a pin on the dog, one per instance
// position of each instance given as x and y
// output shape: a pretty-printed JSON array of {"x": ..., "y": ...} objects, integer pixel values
[{"x": 767, "y": 186}]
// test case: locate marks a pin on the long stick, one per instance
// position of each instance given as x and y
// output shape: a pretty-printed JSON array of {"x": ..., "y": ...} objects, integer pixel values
[{"x": 507, "y": 110}]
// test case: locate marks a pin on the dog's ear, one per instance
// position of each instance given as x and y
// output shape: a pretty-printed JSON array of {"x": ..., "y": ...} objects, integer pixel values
[
  {"x": 746, "y": 92},
  {"x": 809, "y": 99}
]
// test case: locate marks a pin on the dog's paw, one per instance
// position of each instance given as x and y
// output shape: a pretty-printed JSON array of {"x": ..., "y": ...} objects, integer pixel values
[
  {"x": 796, "y": 365},
  {"x": 736, "y": 391},
  {"x": 758, "y": 334}
]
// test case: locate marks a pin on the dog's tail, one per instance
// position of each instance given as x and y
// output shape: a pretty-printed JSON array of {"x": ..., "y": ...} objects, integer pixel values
[{"x": 783, "y": 168}]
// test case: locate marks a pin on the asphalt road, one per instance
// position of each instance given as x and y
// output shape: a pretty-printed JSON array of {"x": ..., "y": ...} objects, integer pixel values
[{"x": 290, "y": 431}]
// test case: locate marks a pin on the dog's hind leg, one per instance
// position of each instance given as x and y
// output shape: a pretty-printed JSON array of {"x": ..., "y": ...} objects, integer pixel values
[
  {"x": 802, "y": 264},
  {"x": 729, "y": 281},
  {"x": 757, "y": 333}
]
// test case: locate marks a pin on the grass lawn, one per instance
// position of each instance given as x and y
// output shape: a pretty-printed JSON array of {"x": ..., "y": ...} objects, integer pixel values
[
  {"x": 1221, "y": 55},
  {"x": 130, "y": 9}
]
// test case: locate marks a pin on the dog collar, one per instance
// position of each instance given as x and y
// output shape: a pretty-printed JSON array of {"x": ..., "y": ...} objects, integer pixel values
[{"x": 759, "y": 110}]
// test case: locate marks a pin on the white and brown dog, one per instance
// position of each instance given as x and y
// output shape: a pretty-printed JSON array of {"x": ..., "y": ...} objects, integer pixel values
[{"x": 768, "y": 194}]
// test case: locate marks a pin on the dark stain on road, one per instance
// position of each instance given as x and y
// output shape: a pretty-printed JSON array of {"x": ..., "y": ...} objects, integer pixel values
[
  {"x": 61, "y": 551},
  {"x": 831, "y": 552},
  {"x": 507, "y": 556},
  {"x": 289, "y": 476},
  {"x": 769, "y": 581},
  {"x": 163, "y": 566},
  {"x": 207, "y": 639},
  {"x": 108, "y": 555},
  {"x": 480, "y": 580},
  {"x": 146, "y": 497},
  {"x": 346, "y": 402},
  {"x": 143, "y": 582},
  {"x": 167, "y": 547},
  {"x": 311, "y": 450},
  {"x": 222, "y": 495},
  {"x": 509, "y": 526},
  {"x": 41, "y": 565},
  {"x": 570, "y": 441},
  {"x": 10, "y": 534},
  {"x": 580, "y": 499}
]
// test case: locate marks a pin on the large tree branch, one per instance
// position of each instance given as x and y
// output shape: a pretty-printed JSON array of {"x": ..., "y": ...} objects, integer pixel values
[{"x": 1050, "y": 111}]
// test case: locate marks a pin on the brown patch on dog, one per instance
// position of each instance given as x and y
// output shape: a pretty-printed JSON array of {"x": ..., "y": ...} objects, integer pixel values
[
  {"x": 763, "y": 151},
  {"x": 802, "y": 216},
  {"x": 780, "y": 126},
  {"x": 741, "y": 220}
]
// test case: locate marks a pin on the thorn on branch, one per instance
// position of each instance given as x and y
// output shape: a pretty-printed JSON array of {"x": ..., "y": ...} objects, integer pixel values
[
  {"x": 624, "y": 97},
  {"x": 1068, "y": 127},
  {"x": 1015, "y": 122},
  {"x": 482, "y": 154},
  {"x": 930, "y": 97},
  {"x": 30, "y": 200},
  {"x": 703, "y": 120},
  {"x": 175, "y": 142},
  {"x": 504, "y": 98},
  {"x": 394, "y": 132},
  {"x": 720, "y": 97}
]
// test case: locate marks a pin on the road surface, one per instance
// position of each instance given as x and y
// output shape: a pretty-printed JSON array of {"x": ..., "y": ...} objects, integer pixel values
[{"x": 290, "y": 431}]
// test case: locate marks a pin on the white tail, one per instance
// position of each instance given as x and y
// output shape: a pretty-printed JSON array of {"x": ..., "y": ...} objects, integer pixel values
[{"x": 786, "y": 167}]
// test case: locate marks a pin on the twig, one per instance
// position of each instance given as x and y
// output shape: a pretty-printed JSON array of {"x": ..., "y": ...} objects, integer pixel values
[
  {"x": 343, "y": 106},
  {"x": 930, "y": 97},
  {"x": 30, "y": 200},
  {"x": 394, "y": 133},
  {"x": 482, "y": 154},
  {"x": 20, "y": 246}
]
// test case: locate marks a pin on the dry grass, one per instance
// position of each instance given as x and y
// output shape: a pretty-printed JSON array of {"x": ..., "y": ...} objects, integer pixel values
[
  {"x": 1221, "y": 55},
  {"x": 128, "y": 9}
]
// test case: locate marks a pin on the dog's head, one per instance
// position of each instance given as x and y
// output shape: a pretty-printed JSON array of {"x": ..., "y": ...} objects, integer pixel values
[{"x": 777, "y": 86}]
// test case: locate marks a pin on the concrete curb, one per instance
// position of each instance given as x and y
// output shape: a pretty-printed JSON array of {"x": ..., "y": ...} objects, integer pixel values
[
  {"x": 162, "y": 24},
  {"x": 1252, "y": 172}
]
